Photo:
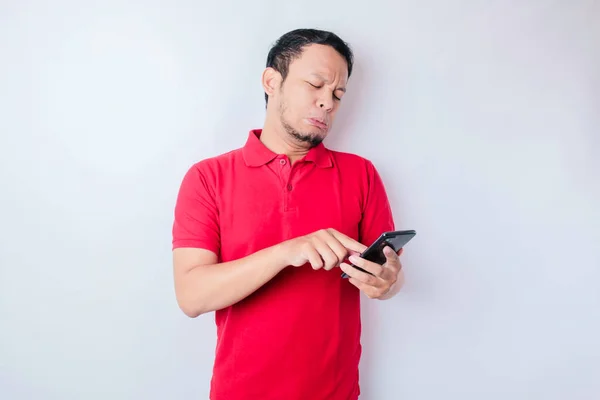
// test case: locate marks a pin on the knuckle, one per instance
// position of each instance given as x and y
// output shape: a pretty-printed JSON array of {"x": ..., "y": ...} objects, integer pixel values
[{"x": 329, "y": 263}]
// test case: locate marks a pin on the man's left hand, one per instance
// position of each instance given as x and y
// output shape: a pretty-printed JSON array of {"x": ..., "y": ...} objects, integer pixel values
[{"x": 386, "y": 279}]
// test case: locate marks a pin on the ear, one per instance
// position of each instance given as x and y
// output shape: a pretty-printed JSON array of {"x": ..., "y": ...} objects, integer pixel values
[{"x": 271, "y": 80}]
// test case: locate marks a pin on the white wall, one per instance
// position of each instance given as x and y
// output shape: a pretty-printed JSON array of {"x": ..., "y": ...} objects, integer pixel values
[{"x": 483, "y": 118}]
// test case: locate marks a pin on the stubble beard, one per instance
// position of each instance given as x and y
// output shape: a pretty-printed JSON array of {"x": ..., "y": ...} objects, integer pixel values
[{"x": 311, "y": 139}]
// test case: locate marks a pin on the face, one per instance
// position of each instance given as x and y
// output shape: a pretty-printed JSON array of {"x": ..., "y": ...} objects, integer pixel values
[{"x": 307, "y": 101}]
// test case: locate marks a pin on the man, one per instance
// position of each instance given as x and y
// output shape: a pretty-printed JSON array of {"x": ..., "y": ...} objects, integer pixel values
[{"x": 260, "y": 232}]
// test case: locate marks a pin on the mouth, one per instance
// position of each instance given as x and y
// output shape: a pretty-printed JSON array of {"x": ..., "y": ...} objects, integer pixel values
[{"x": 319, "y": 123}]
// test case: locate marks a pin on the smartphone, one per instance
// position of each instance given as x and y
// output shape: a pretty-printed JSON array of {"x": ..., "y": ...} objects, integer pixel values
[{"x": 395, "y": 239}]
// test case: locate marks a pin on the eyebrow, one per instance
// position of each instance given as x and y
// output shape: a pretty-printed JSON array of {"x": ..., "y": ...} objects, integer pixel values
[{"x": 343, "y": 89}]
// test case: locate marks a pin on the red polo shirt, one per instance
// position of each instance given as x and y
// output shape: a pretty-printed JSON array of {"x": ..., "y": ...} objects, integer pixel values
[{"x": 298, "y": 336}]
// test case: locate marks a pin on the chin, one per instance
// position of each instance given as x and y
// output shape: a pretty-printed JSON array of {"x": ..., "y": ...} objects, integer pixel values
[
  {"x": 311, "y": 138},
  {"x": 314, "y": 132}
]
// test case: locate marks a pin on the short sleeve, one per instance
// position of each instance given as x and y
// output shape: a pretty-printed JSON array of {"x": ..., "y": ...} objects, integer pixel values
[
  {"x": 377, "y": 214},
  {"x": 196, "y": 219}
]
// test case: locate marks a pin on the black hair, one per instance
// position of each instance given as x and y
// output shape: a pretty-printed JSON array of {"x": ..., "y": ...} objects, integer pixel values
[{"x": 290, "y": 46}]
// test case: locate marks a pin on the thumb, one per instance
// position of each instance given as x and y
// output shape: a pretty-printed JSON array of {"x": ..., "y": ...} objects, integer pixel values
[{"x": 390, "y": 255}]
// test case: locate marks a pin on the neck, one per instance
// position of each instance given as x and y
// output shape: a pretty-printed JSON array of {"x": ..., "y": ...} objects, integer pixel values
[{"x": 275, "y": 138}]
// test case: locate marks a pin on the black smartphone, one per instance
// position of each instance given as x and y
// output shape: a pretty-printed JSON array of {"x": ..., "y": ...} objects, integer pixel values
[{"x": 395, "y": 239}]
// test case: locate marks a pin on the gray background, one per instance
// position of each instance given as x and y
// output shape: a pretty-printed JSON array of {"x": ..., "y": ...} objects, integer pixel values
[{"x": 482, "y": 117}]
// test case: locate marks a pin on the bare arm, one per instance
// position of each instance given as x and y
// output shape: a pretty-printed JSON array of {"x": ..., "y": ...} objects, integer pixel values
[{"x": 202, "y": 285}]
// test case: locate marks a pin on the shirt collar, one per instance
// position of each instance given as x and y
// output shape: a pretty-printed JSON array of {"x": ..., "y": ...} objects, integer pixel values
[{"x": 257, "y": 154}]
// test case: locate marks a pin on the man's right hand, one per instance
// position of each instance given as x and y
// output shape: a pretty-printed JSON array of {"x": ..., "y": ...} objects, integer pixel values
[
  {"x": 326, "y": 249},
  {"x": 203, "y": 285}
]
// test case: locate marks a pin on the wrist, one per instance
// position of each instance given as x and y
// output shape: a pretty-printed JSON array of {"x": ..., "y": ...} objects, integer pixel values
[{"x": 280, "y": 256}]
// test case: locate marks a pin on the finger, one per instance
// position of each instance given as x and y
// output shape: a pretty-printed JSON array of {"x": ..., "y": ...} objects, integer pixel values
[
  {"x": 392, "y": 259},
  {"x": 337, "y": 248},
  {"x": 314, "y": 258},
  {"x": 350, "y": 254},
  {"x": 392, "y": 265},
  {"x": 370, "y": 266},
  {"x": 348, "y": 242},
  {"x": 361, "y": 276},
  {"x": 327, "y": 254}
]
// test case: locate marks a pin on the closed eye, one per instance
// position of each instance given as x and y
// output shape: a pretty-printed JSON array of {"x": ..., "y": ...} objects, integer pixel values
[{"x": 320, "y": 86}]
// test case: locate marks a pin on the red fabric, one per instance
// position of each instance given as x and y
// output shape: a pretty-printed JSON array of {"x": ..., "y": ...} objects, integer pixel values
[{"x": 298, "y": 336}]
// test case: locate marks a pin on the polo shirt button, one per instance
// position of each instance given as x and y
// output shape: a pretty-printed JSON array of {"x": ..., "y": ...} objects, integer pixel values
[
  {"x": 289, "y": 188},
  {"x": 282, "y": 161}
]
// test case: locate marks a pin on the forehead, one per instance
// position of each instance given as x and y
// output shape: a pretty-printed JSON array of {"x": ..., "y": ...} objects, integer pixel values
[{"x": 322, "y": 60}]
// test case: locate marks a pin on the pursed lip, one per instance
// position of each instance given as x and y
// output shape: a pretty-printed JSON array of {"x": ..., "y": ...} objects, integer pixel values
[{"x": 319, "y": 123}]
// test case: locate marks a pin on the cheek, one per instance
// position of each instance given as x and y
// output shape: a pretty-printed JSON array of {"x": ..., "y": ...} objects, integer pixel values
[
  {"x": 305, "y": 99},
  {"x": 333, "y": 113},
  {"x": 300, "y": 104}
]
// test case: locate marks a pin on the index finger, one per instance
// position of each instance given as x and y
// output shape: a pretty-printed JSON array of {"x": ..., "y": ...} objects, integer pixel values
[{"x": 348, "y": 242}]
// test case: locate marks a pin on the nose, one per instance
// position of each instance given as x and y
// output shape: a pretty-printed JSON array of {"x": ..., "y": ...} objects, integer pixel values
[{"x": 325, "y": 103}]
